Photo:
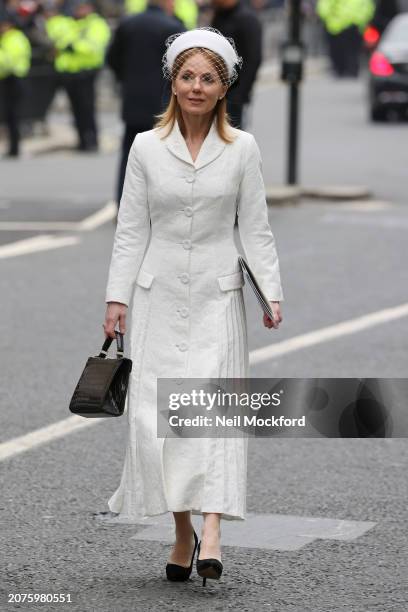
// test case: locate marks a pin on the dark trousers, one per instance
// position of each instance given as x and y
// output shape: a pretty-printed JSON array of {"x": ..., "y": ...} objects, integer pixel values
[
  {"x": 129, "y": 135},
  {"x": 235, "y": 111},
  {"x": 80, "y": 88},
  {"x": 345, "y": 50},
  {"x": 13, "y": 94}
]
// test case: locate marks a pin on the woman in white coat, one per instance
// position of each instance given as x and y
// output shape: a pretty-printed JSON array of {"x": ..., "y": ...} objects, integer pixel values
[{"x": 187, "y": 181}]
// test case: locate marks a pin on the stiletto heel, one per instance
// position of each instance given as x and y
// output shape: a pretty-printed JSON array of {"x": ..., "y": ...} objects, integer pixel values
[
  {"x": 179, "y": 573},
  {"x": 208, "y": 568}
]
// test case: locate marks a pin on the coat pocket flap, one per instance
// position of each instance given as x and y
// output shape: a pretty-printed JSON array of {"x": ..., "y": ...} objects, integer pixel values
[
  {"x": 144, "y": 279},
  {"x": 231, "y": 281}
]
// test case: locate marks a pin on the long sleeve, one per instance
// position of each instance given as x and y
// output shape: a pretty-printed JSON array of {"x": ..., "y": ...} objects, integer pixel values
[
  {"x": 132, "y": 231},
  {"x": 253, "y": 225}
]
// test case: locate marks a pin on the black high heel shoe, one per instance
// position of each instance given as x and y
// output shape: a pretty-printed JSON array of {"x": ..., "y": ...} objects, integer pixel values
[
  {"x": 208, "y": 568},
  {"x": 178, "y": 573}
]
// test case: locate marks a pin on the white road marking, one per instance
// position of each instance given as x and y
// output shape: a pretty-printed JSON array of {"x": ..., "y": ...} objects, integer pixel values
[
  {"x": 392, "y": 222},
  {"x": 75, "y": 422},
  {"x": 46, "y": 242},
  {"x": 364, "y": 205},
  {"x": 102, "y": 216},
  {"x": 43, "y": 242},
  {"x": 331, "y": 332},
  {"x": 98, "y": 218},
  {"x": 265, "y": 531},
  {"x": 33, "y": 226},
  {"x": 44, "y": 434}
]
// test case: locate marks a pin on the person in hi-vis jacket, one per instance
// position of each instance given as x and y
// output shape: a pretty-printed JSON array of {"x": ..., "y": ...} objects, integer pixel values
[
  {"x": 174, "y": 254},
  {"x": 15, "y": 62}
]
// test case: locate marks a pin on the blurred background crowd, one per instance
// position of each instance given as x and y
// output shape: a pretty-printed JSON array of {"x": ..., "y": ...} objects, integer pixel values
[{"x": 47, "y": 45}]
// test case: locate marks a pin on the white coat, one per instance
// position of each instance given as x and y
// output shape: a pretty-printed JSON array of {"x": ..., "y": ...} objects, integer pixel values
[{"x": 174, "y": 253}]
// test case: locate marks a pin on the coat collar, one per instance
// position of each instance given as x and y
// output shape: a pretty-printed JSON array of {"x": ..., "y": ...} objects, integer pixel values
[{"x": 211, "y": 148}]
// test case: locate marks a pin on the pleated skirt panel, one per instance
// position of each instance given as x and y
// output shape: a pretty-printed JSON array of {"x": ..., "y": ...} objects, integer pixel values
[
  {"x": 178, "y": 474},
  {"x": 218, "y": 481}
]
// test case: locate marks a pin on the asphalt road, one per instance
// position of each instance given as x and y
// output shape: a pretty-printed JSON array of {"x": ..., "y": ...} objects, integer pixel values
[{"x": 339, "y": 262}]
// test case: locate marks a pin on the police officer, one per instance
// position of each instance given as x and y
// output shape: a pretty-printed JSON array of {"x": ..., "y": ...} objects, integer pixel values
[
  {"x": 345, "y": 21},
  {"x": 15, "y": 61},
  {"x": 80, "y": 37}
]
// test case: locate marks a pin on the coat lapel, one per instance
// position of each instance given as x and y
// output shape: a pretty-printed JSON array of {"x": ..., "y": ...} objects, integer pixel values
[{"x": 211, "y": 148}]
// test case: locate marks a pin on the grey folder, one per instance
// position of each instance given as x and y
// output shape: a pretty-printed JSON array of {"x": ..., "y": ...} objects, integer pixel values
[{"x": 260, "y": 296}]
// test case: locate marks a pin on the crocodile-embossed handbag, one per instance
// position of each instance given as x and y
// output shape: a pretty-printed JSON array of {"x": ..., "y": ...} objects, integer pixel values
[{"x": 102, "y": 388}]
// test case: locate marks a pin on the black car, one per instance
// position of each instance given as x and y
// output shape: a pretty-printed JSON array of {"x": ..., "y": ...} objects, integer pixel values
[{"x": 388, "y": 71}]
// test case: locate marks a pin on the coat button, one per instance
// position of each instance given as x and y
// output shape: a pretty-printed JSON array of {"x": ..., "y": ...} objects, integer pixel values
[
  {"x": 183, "y": 346},
  {"x": 183, "y": 312},
  {"x": 190, "y": 179},
  {"x": 184, "y": 277},
  {"x": 188, "y": 211},
  {"x": 187, "y": 244}
]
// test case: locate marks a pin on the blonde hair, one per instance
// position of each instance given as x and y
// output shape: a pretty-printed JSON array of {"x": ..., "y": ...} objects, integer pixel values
[{"x": 173, "y": 111}]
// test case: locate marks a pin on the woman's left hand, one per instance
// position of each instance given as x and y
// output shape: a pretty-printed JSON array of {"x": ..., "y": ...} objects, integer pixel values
[{"x": 277, "y": 316}]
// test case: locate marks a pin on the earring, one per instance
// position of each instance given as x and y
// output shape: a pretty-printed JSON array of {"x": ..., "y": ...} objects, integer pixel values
[{"x": 175, "y": 93}]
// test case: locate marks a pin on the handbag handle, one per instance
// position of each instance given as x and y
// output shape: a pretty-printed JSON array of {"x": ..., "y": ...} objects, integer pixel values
[{"x": 108, "y": 342}]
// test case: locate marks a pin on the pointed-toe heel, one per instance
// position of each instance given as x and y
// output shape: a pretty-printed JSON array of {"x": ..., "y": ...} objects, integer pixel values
[
  {"x": 208, "y": 568},
  {"x": 179, "y": 573}
]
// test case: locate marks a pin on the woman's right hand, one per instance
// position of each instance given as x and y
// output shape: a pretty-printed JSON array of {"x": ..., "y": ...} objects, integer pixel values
[
  {"x": 115, "y": 311},
  {"x": 277, "y": 316}
]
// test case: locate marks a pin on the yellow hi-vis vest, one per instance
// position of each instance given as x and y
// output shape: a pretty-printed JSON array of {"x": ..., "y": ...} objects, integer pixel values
[
  {"x": 15, "y": 54},
  {"x": 80, "y": 43},
  {"x": 338, "y": 15},
  {"x": 186, "y": 10}
]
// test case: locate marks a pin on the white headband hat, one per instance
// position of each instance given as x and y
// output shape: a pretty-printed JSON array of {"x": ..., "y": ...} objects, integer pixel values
[{"x": 206, "y": 37}]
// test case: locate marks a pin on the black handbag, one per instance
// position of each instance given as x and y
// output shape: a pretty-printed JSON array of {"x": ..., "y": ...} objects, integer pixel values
[{"x": 102, "y": 388}]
